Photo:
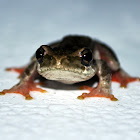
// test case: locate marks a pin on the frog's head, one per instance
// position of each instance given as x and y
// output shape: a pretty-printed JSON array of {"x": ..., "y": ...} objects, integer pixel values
[{"x": 65, "y": 65}]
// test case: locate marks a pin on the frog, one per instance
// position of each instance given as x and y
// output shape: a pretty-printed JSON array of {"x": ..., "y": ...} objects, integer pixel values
[{"x": 72, "y": 59}]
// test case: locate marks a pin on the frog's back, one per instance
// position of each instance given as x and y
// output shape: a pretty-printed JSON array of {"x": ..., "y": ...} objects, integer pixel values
[{"x": 71, "y": 43}]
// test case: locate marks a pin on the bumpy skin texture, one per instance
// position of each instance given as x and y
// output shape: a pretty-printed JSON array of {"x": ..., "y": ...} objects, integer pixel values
[{"x": 63, "y": 61}]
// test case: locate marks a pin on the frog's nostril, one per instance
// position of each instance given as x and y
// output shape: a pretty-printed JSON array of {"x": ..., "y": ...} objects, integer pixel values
[
  {"x": 58, "y": 62},
  {"x": 65, "y": 61}
]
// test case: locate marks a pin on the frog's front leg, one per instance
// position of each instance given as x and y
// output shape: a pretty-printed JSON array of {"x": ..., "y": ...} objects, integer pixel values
[
  {"x": 118, "y": 74},
  {"x": 26, "y": 83},
  {"x": 104, "y": 87}
]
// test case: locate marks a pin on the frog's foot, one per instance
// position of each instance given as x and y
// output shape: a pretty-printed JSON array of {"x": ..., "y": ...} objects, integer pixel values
[
  {"x": 18, "y": 70},
  {"x": 123, "y": 78},
  {"x": 97, "y": 92},
  {"x": 23, "y": 88}
]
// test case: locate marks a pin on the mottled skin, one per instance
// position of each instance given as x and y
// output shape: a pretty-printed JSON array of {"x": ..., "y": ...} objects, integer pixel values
[{"x": 72, "y": 60}]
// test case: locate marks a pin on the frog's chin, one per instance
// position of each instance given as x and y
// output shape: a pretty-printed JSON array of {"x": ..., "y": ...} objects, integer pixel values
[{"x": 66, "y": 76}]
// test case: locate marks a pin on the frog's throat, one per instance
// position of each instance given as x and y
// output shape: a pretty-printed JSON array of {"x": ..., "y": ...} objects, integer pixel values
[{"x": 67, "y": 75}]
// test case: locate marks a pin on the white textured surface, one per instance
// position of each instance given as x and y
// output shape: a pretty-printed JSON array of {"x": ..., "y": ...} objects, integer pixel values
[{"x": 57, "y": 114}]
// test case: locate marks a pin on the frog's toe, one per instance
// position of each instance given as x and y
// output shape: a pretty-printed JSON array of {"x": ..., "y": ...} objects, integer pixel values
[
  {"x": 28, "y": 97},
  {"x": 81, "y": 97},
  {"x": 2, "y": 93}
]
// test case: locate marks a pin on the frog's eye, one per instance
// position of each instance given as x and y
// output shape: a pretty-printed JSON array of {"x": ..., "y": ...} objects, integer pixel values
[
  {"x": 86, "y": 57},
  {"x": 40, "y": 54}
]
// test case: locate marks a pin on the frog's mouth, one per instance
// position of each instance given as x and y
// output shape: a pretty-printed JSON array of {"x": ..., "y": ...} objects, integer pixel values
[{"x": 66, "y": 76}]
